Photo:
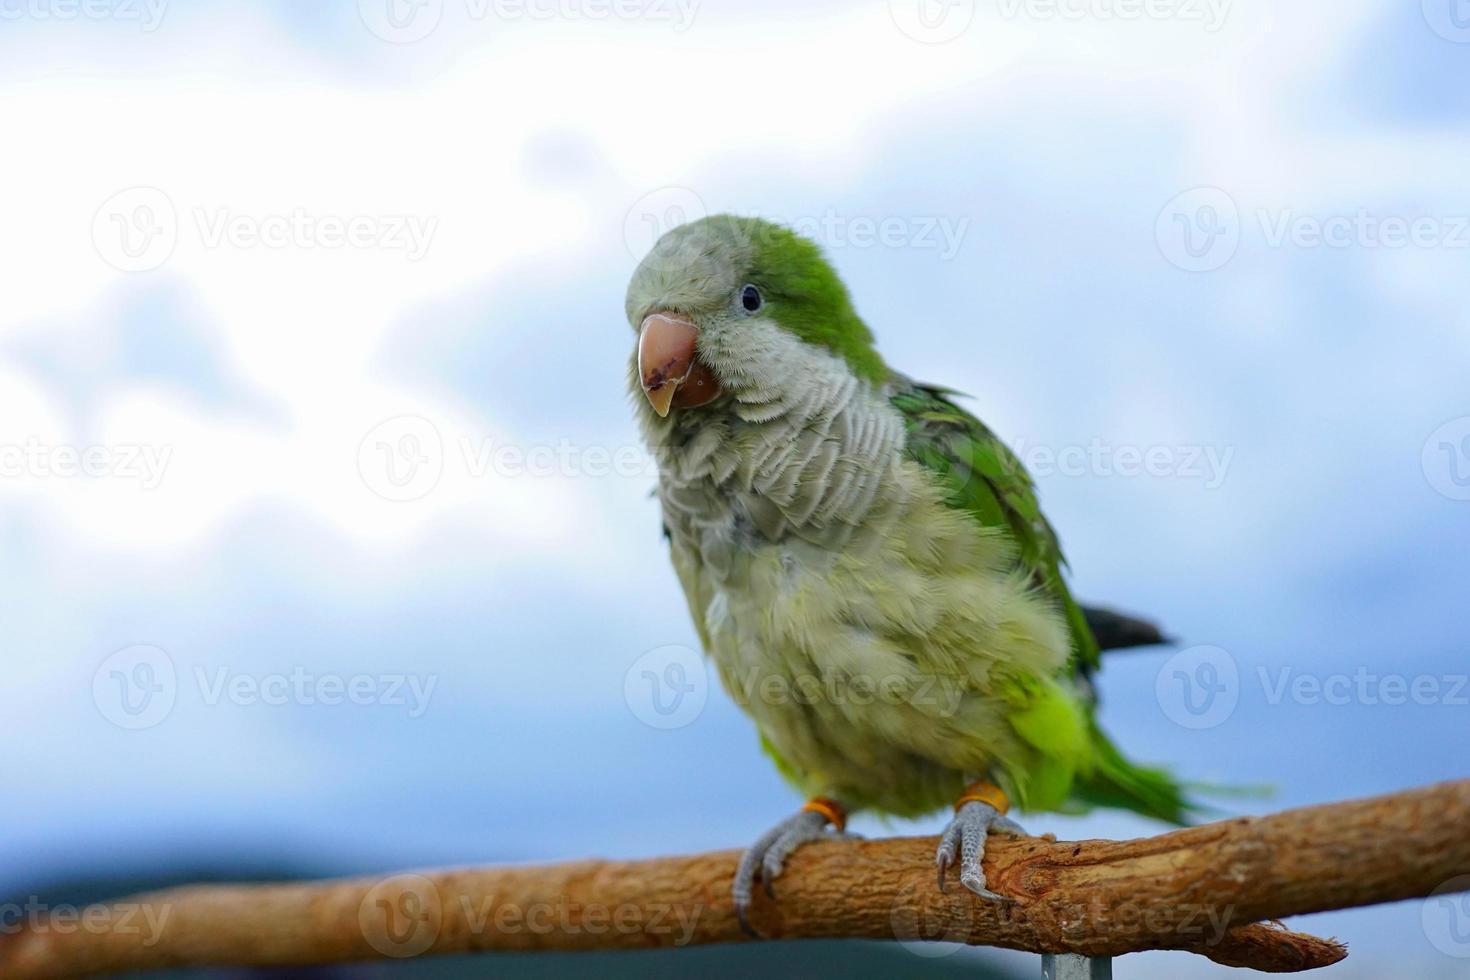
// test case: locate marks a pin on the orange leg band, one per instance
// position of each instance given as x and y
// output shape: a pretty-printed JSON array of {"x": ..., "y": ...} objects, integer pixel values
[
  {"x": 984, "y": 792},
  {"x": 828, "y": 808}
]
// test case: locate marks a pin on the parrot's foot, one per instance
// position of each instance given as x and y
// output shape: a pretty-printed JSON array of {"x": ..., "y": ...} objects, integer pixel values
[
  {"x": 979, "y": 812},
  {"x": 767, "y": 856}
]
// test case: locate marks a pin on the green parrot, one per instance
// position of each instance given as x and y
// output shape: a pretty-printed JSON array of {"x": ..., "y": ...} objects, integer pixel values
[{"x": 865, "y": 562}]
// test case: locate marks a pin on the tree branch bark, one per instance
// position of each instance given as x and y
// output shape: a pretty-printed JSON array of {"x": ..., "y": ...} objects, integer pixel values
[{"x": 1198, "y": 889}]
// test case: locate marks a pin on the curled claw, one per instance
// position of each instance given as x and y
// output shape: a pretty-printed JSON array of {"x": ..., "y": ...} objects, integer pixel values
[
  {"x": 966, "y": 834},
  {"x": 767, "y": 857}
]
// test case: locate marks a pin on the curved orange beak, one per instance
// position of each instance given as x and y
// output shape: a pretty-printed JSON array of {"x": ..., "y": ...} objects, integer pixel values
[{"x": 670, "y": 371}]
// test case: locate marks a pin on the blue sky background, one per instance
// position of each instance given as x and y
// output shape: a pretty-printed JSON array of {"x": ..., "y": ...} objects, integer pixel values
[{"x": 1068, "y": 154}]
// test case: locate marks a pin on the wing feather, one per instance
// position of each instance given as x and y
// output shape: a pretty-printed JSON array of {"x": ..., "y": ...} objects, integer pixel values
[{"x": 985, "y": 479}]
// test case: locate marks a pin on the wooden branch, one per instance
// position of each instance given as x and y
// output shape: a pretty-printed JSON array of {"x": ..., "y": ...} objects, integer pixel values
[{"x": 1197, "y": 889}]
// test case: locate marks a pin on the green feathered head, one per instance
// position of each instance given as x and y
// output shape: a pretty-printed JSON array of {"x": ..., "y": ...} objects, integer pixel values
[{"x": 727, "y": 300}]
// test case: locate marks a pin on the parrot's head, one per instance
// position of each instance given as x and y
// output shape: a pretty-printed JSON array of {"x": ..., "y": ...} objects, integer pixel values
[{"x": 726, "y": 304}]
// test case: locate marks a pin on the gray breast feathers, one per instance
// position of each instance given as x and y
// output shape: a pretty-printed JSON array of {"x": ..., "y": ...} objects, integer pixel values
[{"x": 813, "y": 463}]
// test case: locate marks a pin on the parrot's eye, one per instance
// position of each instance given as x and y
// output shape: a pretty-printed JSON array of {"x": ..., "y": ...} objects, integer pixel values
[{"x": 751, "y": 299}]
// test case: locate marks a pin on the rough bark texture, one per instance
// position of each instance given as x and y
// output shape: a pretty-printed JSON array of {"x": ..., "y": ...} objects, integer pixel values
[{"x": 1197, "y": 889}]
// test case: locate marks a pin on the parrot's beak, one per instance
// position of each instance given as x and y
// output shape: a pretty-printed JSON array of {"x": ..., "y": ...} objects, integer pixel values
[{"x": 670, "y": 371}]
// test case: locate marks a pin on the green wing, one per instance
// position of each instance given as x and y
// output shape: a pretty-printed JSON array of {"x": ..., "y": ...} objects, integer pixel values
[{"x": 986, "y": 479}]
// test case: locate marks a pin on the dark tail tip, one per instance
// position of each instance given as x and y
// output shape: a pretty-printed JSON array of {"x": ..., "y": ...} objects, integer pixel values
[{"x": 1116, "y": 631}]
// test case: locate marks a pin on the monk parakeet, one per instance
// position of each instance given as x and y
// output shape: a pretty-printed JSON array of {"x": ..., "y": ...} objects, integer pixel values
[{"x": 865, "y": 562}]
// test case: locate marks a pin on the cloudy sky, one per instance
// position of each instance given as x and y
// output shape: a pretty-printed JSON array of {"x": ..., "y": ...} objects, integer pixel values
[{"x": 326, "y": 532}]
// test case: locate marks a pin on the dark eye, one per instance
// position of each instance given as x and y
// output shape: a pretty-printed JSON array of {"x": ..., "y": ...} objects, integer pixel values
[{"x": 751, "y": 299}]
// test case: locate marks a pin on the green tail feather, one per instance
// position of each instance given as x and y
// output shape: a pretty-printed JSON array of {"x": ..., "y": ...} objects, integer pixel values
[{"x": 1115, "y": 782}]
